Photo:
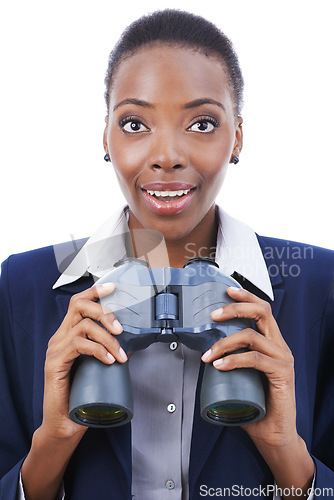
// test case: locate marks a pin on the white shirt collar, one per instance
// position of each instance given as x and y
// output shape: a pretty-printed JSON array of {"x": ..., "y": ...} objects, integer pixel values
[{"x": 237, "y": 250}]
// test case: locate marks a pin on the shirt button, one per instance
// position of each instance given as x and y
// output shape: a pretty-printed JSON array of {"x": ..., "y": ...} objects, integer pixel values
[
  {"x": 173, "y": 346},
  {"x": 171, "y": 408},
  {"x": 170, "y": 485}
]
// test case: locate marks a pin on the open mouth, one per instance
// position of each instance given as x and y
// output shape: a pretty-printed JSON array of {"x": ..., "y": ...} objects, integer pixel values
[
  {"x": 166, "y": 201},
  {"x": 168, "y": 196}
]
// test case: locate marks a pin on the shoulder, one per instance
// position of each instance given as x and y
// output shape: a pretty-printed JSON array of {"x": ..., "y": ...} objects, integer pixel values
[
  {"x": 28, "y": 304},
  {"x": 303, "y": 259},
  {"x": 305, "y": 273},
  {"x": 38, "y": 268},
  {"x": 267, "y": 242}
]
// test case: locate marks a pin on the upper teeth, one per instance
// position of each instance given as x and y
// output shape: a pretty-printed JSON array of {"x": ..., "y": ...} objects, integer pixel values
[{"x": 169, "y": 193}]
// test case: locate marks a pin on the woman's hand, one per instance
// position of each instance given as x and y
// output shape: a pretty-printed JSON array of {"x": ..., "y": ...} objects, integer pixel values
[
  {"x": 56, "y": 439},
  {"x": 267, "y": 353},
  {"x": 275, "y": 435},
  {"x": 78, "y": 334}
]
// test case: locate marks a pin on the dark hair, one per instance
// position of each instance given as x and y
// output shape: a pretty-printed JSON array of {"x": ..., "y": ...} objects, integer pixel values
[{"x": 179, "y": 28}]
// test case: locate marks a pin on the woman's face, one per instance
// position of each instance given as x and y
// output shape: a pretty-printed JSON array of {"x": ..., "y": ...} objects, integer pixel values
[{"x": 170, "y": 134}]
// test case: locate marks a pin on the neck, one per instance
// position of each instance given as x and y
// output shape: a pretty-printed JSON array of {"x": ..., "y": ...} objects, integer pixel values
[{"x": 151, "y": 245}]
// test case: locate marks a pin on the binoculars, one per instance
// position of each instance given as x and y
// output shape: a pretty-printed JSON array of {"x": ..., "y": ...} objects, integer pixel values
[{"x": 166, "y": 305}]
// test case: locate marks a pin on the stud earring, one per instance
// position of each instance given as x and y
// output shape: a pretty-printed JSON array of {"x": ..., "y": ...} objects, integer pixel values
[
  {"x": 106, "y": 157},
  {"x": 235, "y": 160}
]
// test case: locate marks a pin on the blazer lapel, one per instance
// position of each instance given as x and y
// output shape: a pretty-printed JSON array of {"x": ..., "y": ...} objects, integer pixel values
[{"x": 274, "y": 274}]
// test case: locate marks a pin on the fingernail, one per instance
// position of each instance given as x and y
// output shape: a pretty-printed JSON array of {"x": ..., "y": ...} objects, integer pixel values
[
  {"x": 110, "y": 357},
  {"x": 218, "y": 363},
  {"x": 107, "y": 285},
  {"x": 217, "y": 312},
  {"x": 206, "y": 355},
  {"x": 116, "y": 326},
  {"x": 122, "y": 354},
  {"x": 234, "y": 289}
]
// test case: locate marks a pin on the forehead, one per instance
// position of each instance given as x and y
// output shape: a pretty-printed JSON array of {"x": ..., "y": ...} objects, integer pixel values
[{"x": 174, "y": 73}]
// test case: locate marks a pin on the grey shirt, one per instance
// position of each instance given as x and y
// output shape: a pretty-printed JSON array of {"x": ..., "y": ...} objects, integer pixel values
[{"x": 164, "y": 379}]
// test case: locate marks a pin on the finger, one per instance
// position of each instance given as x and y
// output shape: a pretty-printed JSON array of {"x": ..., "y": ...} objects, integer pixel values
[
  {"x": 243, "y": 296},
  {"x": 245, "y": 339},
  {"x": 62, "y": 360},
  {"x": 87, "y": 310},
  {"x": 97, "y": 291},
  {"x": 240, "y": 294},
  {"x": 260, "y": 313},
  {"x": 274, "y": 369},
  {"x": 76, "y": 306},
  {"x": 251, "y": 307},
  {"x": 104, "y": 315},
  {"x": 93, "y": 331},
  {"x": 82, "y": 306},
  {"x": 87, "y": 328}
]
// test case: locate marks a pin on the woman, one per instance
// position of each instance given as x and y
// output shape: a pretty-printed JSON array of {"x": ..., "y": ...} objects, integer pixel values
[{"x": 174, "y": 96}]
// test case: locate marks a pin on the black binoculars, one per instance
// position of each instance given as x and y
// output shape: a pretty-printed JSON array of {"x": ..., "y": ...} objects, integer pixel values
[{"x": 166, "y": 305}]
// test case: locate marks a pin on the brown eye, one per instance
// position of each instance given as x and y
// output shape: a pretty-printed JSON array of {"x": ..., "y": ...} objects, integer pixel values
[
  {"x": 132, "y": 126},
  {"x": 204, "y": 125}
]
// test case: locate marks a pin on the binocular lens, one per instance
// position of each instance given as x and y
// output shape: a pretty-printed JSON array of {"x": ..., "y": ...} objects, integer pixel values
[
  {"x": 230, "y": 413},
  {"x": 100, "y": 414}
]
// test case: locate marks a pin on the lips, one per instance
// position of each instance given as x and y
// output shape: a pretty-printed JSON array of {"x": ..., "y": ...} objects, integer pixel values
[{"x": 168, "y": 198}]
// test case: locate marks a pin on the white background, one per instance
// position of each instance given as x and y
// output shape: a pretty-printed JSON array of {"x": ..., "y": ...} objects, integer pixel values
[{"x": 54, "y": 182}]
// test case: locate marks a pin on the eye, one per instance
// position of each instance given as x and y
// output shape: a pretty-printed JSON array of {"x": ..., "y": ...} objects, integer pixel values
[
  {"x": 132, "y": 125},
  {"x": 204, "y": 125}
]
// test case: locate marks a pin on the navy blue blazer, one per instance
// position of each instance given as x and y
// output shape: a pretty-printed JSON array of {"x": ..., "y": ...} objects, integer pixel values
[{"x": 302, "y": 279}]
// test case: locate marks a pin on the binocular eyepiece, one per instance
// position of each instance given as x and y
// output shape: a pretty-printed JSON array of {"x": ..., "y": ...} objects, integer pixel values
[{"x": 165, "y": 305}]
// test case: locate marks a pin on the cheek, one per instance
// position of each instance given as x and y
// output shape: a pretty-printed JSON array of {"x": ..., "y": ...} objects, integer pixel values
[
  {"x": 213, "y": 161},
  {"x": 125, "y": 158},
  {"x": 215, "y": 181},
  {"x": 215, "y": 152},
  {"x": 122, "y": 166}
]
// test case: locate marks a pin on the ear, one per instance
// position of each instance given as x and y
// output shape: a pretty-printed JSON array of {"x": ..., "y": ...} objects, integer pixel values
[
  {"x": 238, "y": 143},
  {"x": 105, "y": 136}
]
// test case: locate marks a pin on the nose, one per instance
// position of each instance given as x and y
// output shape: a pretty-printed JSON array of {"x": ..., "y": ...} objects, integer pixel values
[{"x": 167, "y": 152}]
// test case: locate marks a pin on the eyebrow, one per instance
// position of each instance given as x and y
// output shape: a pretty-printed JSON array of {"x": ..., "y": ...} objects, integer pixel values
[
  {"x": 137, "y": 102},
  {"x": 192, "y": 104},
  {"x": 204, "y": 100}
]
